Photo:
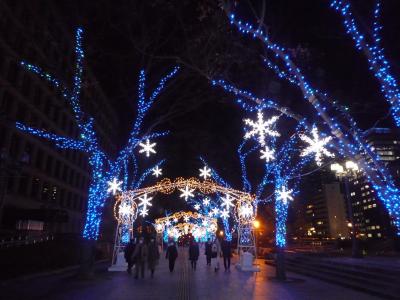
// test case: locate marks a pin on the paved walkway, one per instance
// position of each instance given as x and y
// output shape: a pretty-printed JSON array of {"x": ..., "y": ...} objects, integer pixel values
[{"x": 184, "y": 283}]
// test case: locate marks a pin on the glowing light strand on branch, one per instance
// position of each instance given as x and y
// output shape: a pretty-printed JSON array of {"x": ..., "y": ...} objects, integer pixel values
[{"x": 102, "y": 168}]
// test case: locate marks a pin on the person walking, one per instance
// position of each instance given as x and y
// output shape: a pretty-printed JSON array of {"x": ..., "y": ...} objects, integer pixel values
[
  {"x": 208, "y": 251},
  {"x": 215, "y": 253},
  {"x": 194, "y": 252},
  {"x": 227, "y": 254},
  {"x": 153, "y": 256},
  {"x": 171, "y": 255},
  {"x": 140, "y": 257},
  {"x": 128, "y": 251}
]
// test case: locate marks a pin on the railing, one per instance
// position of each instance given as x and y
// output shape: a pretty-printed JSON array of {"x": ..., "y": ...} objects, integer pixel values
[{"x": 24, "y": 240}]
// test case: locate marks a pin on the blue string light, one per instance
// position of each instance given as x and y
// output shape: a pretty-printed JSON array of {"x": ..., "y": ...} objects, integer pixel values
[{"x": 103, "y": 169}]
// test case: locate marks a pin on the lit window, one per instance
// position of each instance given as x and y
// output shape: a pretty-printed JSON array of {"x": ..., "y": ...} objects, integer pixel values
[
  {"x": 378, "y": 234},
  {"x": 374, "y": 205},
  {"x": 369, "y": 235},
  {"x": 377, "y": 226}
]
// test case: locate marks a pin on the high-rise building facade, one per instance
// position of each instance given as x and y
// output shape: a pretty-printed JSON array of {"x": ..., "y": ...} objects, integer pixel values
[
  {"x": 42, "y": 187},
  {"x": 370, "y": 215}
]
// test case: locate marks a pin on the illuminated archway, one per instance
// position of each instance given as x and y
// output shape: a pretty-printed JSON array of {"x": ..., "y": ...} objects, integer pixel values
[{"x": 126, "y": 207}]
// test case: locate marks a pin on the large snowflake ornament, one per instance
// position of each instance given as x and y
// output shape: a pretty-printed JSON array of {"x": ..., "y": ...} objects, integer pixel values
[
  {"x": 147, "y": 148},
  {"x": 157, "y": 171},
  {"x": 261, "y": 128},
  {"x": 186, "y": 192},
  {"x": 267, "y": 154},
  {"x": 205, "y": 172},
  {"x": 114, "y": 186},
  {"x": 227, "y": 202},
  {"x": 316, "y": 145},
  {"x": 284, "y": 195}
]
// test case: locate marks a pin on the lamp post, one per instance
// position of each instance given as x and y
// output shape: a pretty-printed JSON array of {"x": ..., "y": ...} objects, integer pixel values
[{"x": 349, "y": 170}]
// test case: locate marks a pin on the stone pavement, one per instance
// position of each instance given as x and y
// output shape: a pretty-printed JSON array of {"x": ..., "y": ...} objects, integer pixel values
[{"x": 184, "y": 283}]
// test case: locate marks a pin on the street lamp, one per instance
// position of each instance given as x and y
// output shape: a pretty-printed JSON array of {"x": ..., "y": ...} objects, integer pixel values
[{"x": 349, "y": 170}]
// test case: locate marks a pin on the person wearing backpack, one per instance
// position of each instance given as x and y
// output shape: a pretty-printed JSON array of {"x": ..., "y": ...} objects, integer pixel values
[{"x": 215, "y": 253}]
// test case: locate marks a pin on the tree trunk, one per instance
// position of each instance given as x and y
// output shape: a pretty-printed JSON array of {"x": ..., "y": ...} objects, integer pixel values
[
  {"x": 280, "y": 264},
  {"x": 87, "y": 259}
]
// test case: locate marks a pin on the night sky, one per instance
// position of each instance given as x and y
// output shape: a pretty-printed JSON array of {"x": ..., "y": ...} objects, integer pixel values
[{"x": 121, "y": 37}]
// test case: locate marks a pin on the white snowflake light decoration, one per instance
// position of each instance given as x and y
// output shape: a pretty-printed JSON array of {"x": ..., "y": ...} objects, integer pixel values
[
  {"x": 157, "y": 171},
  {"x": 168, "y": 223},
  {"x": 246, "y": 211},
  {"x": 227, "y": 202},
  {"x": 284, "y": 195},
  {"x": 261, "y": 127},
  {"x": 175, "y": 220},
  {"x": 186, "y": 218},
  {"x": 215, "y": 211},
  {"x": 197, "y": 207},
  {"x": 186, "y": 192},
  {"x": 114, "y": 186},
  {"x": 225, "y": 214},
  {"x": 206, "y": 202},
  {"x": 267, "y": 154},
  {"x": 124, "y": 209},
  {"x": 144, "y": 203},
  {"x": 316, "y": 145},
  {"x": 205, "y": 172},
  {"x": 147, "y": 148}
]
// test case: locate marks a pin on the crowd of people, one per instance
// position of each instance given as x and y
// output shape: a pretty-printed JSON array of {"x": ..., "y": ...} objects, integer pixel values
[{"x": 145, "y": 255}]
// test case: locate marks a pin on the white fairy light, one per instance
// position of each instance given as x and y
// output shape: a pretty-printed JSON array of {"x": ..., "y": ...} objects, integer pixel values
[
  {"x": 267, "y": 154},
  {"x": 261, "y": 128},
  {"x": 186, "y": 192},
  {"x": 147, "y": 148},
  {"x": 205, "y": 172},
  {"x": 157, "y": 171},
  {"x": 316, "y": 145},
  {"x": 284, "y": 195},
  {"x": 114, "y": 186}
]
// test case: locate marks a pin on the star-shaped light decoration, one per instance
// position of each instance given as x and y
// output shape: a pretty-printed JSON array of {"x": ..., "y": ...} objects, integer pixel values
[
  {"x": 284, "y": 195},
  {"x": 124, "y": 209},
  {"x": 261, "y": 128},
  {"x": 114, "y": 186},
  {"x": 157, "y": 171},
  {"x": 206, "y": 202},
  {"x": 144, "y": 211},
  {"x": 175, "y": 220},
  {"x": 186, "y": 192},
  {"x": 215, "y": 211},
  {"x": 186, "y": 218},
  {"x": 197, "y": 207},
  {"x": 205, "y": 222},
  {"x": 246, "y": 210},
  {"x": 316, "y": 145},
  {"x": 225, "y": 214},
  {"x": 227, "y": 202},
  {"x": 267, "y": 154},
  {"x": 144, "y": 202},
  {"x": 205, "y": 172},
  {"x": 147, "y": 148},
  {"x": 168, "y": 223}
]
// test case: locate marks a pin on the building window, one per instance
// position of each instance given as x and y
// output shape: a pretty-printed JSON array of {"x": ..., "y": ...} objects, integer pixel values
[{"x": 35, "y": 188}]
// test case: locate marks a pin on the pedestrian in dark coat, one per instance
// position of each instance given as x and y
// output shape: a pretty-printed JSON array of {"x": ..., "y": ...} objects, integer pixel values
[
  {"x": 153, "y": 256},
  {"x": 171, "y": 255},
  {"x": 227, "y": 254},
  {"x": 128, "y": 251},
  {"x": 194, "y": 252},
  {"x": 140, "y": 256},
  {"x": 208, "y": 252}
]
